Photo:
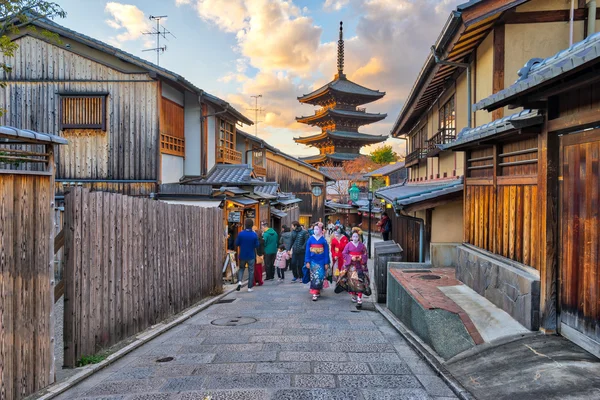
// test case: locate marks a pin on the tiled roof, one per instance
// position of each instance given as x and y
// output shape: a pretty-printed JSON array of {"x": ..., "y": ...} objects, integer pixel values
[
  {"x": 386, "y": 169},
  {"x": 361, "y": 137},
  {"x": 340, "y": 206},
  {"x": 403, "y": 195},
  {"x": 287, "y": 202},
  {"x": 332, "y": 112},
  {"x": 519, "y": 120},
  {"x": 234, "y": 190},
  {"x": 8, "y": 132},
  {"x": 345, "y": 86},
  {"x": 267, "y": 189},
  {"x": 229, "y": 174},
  {"x": 278, "y": 213},
  {"x": 342, "y": 156},
  {"x": 538, "y": 71},
  {"x": 374, "y": 210},
  {"x": 243, "y": 201}
]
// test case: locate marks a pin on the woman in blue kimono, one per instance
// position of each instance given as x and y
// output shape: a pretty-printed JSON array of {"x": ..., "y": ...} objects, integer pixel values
[{"x": 317, "y": 260}]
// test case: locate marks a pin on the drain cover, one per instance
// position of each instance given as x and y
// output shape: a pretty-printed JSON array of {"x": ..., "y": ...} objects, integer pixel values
[
  {"x": 430, "y": 277},
  {"x": 234, "y": 321},
  {"x": 164, "y": 360},
  {"x": 413, "y": 271}
]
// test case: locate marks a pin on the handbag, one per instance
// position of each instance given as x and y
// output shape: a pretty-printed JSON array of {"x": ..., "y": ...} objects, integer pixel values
[{"x": 260, "y": 259}]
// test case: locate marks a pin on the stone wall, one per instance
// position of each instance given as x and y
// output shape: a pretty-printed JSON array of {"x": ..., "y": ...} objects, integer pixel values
[{"x": 510, "y": 287}]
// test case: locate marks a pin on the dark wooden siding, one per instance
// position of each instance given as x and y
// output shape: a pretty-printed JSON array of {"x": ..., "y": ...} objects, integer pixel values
[{"x": 406, "y": 232}]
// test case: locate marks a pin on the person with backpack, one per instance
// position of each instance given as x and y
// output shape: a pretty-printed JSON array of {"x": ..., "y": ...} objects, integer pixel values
[
  {"x": 385, "y": 226},
  {"x": 299, "y": 238}
]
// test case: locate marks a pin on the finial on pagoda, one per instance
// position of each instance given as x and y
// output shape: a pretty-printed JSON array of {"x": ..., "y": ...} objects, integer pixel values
[{"x": 340, "y": 53}]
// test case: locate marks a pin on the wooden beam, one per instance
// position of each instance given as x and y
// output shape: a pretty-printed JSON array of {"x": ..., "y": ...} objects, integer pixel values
[
  {"x": 580, "y": 120},
  {"x": 498, "y": 66},
  {"x": 547, "y": 182},
  {"x": 532, "y": 17},
  {"x": 487, "y": 9},
  {"x": 59, "y": 240}
]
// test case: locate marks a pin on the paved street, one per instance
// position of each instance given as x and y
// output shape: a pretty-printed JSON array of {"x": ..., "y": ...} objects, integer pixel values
[{"x": 290, "y": 348}]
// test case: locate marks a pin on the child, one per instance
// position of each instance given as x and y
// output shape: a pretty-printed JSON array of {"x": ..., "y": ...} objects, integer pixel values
[{"x": 281, "y": 262}]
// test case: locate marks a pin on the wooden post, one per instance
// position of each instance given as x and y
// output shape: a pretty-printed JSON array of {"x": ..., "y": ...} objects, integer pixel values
[{"x": 548, "y": 152}]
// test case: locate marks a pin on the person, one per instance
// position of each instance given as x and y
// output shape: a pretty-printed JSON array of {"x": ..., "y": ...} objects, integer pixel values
[
  {"x": 270, "y": 239},
  {"x": 317, "y": 260},
  {"x": 385, "y": 226},
  {"x": 260, "y": 258},
  {"x": 299, "y": 238},
  {"x": 286, "y": 239},
  {"x": 231, "y": 239},
  {"x": 281, "y": 262},
  {"x": 247, "y": 241},
  {"x": 338, "y": 244},
  {"x": 330, "y": 228},
  {"x": 356, "y": 274}
]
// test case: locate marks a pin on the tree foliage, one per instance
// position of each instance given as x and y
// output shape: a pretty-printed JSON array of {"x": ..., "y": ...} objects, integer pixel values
[
  {"x": 384, "y": 155},
  {"x": 360, "y": 165}
]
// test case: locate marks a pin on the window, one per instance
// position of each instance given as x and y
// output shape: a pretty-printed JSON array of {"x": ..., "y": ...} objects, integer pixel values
[
  {"x": 227, "y": 135},
  {"x": 418, "y": 140},
  {"x": 172, "y": 130},
  {"x": 448, "y": 117},
  {"x": 83, "y": 112}
]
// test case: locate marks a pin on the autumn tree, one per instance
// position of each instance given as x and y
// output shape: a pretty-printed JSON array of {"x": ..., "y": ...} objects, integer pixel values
[
  {"x": 348, "y": 173},
  {"x": 384, "y": 155}
]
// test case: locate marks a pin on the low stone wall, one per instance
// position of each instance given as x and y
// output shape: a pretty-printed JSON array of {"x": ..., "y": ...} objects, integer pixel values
[{"x": 509, "y": 287}]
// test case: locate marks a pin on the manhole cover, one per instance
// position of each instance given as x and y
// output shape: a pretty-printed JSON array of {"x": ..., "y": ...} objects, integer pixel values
[
  {"x": 164, "y": 360},
  {"x": 234, "y": 321},
  {"x": 412, "y": 271},
  {"x": 430, "y": 277}
]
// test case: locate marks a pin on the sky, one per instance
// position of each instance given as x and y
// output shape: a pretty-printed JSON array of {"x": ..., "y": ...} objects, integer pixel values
[{"x": 280, "y": 49}]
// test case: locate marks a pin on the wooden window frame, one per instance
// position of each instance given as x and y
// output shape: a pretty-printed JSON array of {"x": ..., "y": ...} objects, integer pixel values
[
  {"x": 223, "y": 142},
  {"x": 446, "y": 110},
  {"x": 100, "y": 126}
]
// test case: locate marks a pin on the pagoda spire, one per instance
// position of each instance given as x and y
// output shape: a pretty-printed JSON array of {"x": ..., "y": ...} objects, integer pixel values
[{"x": 340, "y": 53}]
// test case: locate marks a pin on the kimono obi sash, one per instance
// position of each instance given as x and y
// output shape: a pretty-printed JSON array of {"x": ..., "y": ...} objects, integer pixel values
[
  {"x": 355, "y": 253},
  {"x": 317, "y": 248}
]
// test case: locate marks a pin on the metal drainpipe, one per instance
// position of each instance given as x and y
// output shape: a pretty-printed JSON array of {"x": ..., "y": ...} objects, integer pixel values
[
  {"x": 591, "y": 18},
  {"x": 203, "y": 146},
  {"x": 468, "y": 68}
]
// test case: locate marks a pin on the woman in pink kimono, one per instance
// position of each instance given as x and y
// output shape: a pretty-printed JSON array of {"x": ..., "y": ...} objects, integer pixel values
[{"x": 355, "y": 267}]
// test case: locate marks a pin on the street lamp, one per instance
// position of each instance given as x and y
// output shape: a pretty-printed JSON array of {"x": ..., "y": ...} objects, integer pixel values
[
  {"x": 370, "y": 198},
  {"x": 354, "y": 191}
]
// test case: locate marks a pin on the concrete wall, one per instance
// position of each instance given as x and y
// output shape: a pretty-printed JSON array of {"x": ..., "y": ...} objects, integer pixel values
[
  {"x": 172, "y": 168},
  {"x": 447, "y": 223},
  {"x": 483, "y": 77},
  {"x": 444, "y": 255},
  {"x": 192, "y": 114},
  {"x": 545, "y": 5},
  {"x": 172, "y": 94},
  {"x": 510, "y": 286}
]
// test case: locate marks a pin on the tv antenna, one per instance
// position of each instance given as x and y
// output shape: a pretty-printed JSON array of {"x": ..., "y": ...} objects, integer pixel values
[
  {"x": 256, "y": 111},
  {"x": 158, "y": 31}
]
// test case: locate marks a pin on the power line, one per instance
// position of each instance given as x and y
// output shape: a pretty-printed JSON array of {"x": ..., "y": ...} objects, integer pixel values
[
  {"x": 158, "y": 31},
  {"x": 256, "y": 111}
]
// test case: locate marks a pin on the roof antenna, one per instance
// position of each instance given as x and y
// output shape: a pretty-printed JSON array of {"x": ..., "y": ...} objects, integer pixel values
[
  {"x": 340, "y": 54},
  {"x": 158, "y": 31}
]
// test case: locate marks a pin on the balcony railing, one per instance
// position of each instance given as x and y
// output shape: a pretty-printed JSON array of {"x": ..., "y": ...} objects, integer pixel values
[
  {"x": 444, "y": 136},
  {"x": 414, "y": 157},
  {"x": 225, "y": 155},
  {"x": 259, "y": 167}
]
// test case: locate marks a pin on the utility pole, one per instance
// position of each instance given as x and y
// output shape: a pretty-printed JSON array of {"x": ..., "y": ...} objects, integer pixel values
[
  {"x": 256, "y": 111},
  {"x": 158, "y": 31}
]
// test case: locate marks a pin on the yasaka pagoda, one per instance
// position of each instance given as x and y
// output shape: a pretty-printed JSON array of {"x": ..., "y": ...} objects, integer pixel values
[{"x": 340, "y": 117}]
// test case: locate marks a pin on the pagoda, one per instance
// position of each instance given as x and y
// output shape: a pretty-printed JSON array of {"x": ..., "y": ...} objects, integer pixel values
[{"x": 340, "y": 117}]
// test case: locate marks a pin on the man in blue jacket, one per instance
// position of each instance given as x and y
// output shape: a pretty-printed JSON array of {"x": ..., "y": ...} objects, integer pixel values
[{"x": 247, "y": 241}]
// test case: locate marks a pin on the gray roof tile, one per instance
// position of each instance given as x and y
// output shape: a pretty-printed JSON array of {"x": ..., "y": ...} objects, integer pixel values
[
  {"x": 345, "y": 86},
  {"x": 404, "y": 194},
  {"x": 8, "y": 132}
]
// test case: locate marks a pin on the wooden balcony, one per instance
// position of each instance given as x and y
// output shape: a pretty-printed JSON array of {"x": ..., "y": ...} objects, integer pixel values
[
  {"x": 226, "y": 155},
  {"x": 259, "y": 168},
  {"x": 444, "y": 136},
  {"x": 414, "y": 157}
]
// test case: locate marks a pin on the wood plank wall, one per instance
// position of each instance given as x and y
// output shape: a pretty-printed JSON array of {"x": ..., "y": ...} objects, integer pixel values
[
  {"x": 501, "y": 212},
  {"x": 131, "y": 263},
  {"x": 26, "y": 291},
  {"x": 406, "y": 232},
  {"x": 128, "y": 147}
]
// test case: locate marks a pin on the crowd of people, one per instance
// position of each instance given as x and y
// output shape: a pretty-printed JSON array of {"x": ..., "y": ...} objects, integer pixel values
[{"x": 312, "y": 257}]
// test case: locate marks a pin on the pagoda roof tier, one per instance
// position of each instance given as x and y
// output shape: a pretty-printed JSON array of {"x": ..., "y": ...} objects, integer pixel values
[
  {"x": 363, "y": 138},
  {"x": 319, "y": 158},
  {"x": 343, "y": 86},
  {"x": 334, "y": 114}
]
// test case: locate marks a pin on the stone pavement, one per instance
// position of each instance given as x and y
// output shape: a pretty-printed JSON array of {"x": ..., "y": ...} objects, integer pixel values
[{"x": 277, "y": 344}]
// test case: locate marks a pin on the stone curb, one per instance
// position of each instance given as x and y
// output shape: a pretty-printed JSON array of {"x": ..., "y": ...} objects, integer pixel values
[
  {"x": 429, "y": 357},
  {"x": 61, "y": 387}
]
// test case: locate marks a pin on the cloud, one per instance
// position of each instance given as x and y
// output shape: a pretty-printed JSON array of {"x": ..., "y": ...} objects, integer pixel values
[
  {"x": 129, "y": 20},
  {"x": 182, "y": 2},
  {"x": 335, "y": 4}
]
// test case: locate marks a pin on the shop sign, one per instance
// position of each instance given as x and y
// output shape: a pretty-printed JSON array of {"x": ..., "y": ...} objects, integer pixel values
[
  {"x": 235, "y": 216},
  {"x": 250, "y": 213}
]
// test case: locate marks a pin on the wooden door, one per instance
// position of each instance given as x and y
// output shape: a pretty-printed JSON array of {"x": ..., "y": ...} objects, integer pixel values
[{"x": 579, "y": 258}]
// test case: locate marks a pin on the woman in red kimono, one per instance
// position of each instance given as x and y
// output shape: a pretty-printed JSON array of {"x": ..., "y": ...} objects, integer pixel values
[
  {"x": 356, "y": 272},
  {"x": 338, "y": 243}
]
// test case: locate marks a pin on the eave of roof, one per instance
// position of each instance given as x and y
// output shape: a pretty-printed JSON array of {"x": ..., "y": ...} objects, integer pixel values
[
  {"x": 333, "y": 113},
  {"x": 470, "y": 137},
  {"x": 362, "y": 137},
  {"x": 386, "y": 169},
  {"x": 52, "y": 26},
  {"x": 341, "y": 85},
  {"x": 25, "y": 135},
  {"x": 538, "y": 72},
  {"x": 404, "y": 195}
]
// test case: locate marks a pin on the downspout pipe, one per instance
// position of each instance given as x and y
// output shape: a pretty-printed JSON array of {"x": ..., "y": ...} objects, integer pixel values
[
  {"x": 468, "y": 68},
  {"x": 591, "y": 17}
]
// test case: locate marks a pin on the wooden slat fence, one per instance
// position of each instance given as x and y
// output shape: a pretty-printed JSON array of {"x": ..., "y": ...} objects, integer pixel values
[
  {"x": 26, "y": 292},
  {"x": 406, "y": 232},
  {"x": 131, "y": 263}
]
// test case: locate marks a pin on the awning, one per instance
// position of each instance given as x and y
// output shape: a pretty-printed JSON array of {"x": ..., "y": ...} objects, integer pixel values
[
  {"x": 243, "y": 201},
  {"x": 287, "y": 202},
  {"x": 374, "y": 210},
  {"x": 277, "y": 213},
  {"x": 413, "y": 197}
]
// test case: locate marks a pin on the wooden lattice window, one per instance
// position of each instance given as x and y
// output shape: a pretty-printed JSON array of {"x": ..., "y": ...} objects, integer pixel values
[
  {"x": 418, "y": 140},
  {"x": 83, "y": 112},
  {"x": 172, "y": 128},
  {"x": 227, "y": 135},
  {"x": 448, "y": 117}
]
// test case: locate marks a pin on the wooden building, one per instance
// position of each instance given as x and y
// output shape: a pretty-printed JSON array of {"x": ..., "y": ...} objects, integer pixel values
[
  {"x": 131, "y": 125},
  {"x": 478, "y": 53},
  {"x": 531, "y": 194}
]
